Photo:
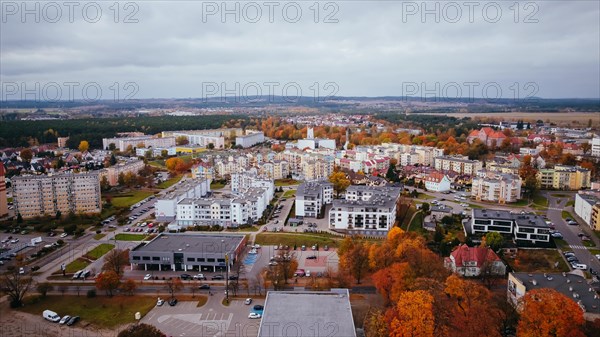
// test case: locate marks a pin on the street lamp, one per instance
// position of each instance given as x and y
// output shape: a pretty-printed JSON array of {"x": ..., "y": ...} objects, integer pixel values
[{"x": 226, "y": 278}]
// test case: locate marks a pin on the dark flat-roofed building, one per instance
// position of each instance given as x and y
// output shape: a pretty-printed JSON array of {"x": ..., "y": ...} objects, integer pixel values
[
  {"x": 307, "y": 313},
  {"x": 522, "y": 226},
  {"x": 188, "y": 252}
]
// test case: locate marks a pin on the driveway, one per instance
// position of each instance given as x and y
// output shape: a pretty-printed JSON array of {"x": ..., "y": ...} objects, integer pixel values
[{"x": 212, "y": 319}]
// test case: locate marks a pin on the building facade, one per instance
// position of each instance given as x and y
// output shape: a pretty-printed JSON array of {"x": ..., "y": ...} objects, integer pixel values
[
  {"x": 458, "y": 164},
  {"x": 311, "y": 197},
  {"x": 250, "y": 139},
  {"x": 472, "y": 261},
  {"x": 563, "y": 177},
  {"x": 144, "y": 141},
  {"x": 595, "y": 151},
  {"x": 496, "y": 187},
  {"x": 3, "y": 197},
  {"x": 523, "y": 227},
  {"x": 49, "y": 194},
  {"x": 199, "y": 137},
  {"x": 587, "y": 207},
  {"x": 165, "y": 208},
  {"x": 437, "y": 182},
  {"x": 112, "y": 173}
]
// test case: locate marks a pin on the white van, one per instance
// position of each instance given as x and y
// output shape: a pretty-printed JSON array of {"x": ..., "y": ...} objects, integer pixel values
[
  {"x": 51, "y": 316},
  {"x": 580, "y": 266}
]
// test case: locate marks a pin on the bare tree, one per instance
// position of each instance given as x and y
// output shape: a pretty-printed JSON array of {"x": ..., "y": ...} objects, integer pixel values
[
  {"x": 194, "y": 285},
  {"x": 174, "y": 285},
  {"x": 115, "y": 260},
  {"x": 16, "y": 286}
]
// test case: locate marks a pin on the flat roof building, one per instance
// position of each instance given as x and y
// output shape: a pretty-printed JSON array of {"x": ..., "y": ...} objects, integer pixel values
[
  {"x": 307, "y": 313},
  {"x": 188, "y": 252},
  {"x": 523, "y": 226}
]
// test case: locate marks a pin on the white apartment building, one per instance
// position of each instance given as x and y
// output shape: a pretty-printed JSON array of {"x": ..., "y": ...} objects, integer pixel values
[
  {"x": 241, "y": 182},
  {"x": 458, "y": 164},
  {"x": 596, "y": 147},
  {"x": 496, "y": 187},
  {"x": 199, "y": 137},
  {"x": 586, "y": 205},
  {"x": 311, "y": 197},
  {"x": 250, "y": 139},
  {"x": 144, "y": 141},
  {"x": 112, "y": 173},
  {"x": 365, "y": 209},
  {"x": 165, "y": 207},
  {"x": 48, "y": 194}
]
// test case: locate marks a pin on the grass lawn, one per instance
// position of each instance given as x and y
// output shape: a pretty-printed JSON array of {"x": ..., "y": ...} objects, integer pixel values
[
  {"x": 594, "y": 251},
  {"x": 130, "y": 237},
  {"x": 246, "y": 229},
  {"x": 538, "y": 261},
  {"x": 99, "y": 251},
  {"x": 540, "y": 200},
  {"x": 475, "y": 206},
  {"x": 286, "y": 182},
  {"x": 101, "y": 311},
  {"x": 157, "y": 163},
  {"x": 588, "y": 244},
  {"x": 570, "y": 203},
  {"x": 77, "y": 265},
  {"x": 271, "y": 239},
  {"x": 566, "y": 214},
  {"x": 520, "y": 203},
  {"x": 99, "y": 236},
  {"x": 562, "y": 244},
  {"x": 290, "y": 193},
  {"x": 170, "y": 182},
  {"x": 202, "y": 301},
  {"x": 128, "y": 199},
  {"x": 216, "y": 185},
  {"x": 560, "y": 195},
  {"x": 424, "y": 196}
]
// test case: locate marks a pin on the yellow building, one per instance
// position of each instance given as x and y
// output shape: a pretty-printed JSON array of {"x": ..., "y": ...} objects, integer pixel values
[
  {"x": 563, "y": 177},
  {"x": 595, "y": 222},
  {"x": 189, "y": 149}
]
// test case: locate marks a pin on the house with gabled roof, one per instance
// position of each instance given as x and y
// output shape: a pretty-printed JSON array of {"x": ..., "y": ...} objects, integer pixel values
[{"x": 470, "y": 261}]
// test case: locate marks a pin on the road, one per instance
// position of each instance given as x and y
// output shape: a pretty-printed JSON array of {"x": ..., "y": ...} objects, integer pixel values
[{"x": 556, "y": 206}]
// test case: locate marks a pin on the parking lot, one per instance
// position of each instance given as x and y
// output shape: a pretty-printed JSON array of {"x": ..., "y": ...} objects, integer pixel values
[
  {"x": 212, "y": 319},
  {"x": 21, "y": 244}
]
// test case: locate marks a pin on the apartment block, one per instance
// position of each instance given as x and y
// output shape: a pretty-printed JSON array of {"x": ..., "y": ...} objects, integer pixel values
[
  {"x": 243, "y": 181},
  {"x": 203, "y": 171},
  {"x": 311, "y": 197},
  {"x": 200, "y": 137},
  {"x": 165, "y": 207},
  {"x": 458, "y": 164},
  {"x": 250, "y": 139},
  {"x": 48, "y": 194},
  {"x": 496, "y": 187},
  {"x": 587, "y": 207},
  {"x": 522, "y": 226},
  {"x": 596, "y": 147},
  {"x": 366, "y": 209},
  {"x": 112, "y": 173},
  {"x": 144, "y": 141},
  {"x": 563, "y": 177},
  {"x": 3, "y": 198}
]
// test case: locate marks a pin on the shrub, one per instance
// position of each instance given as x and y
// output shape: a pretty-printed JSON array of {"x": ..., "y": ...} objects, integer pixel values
[{"x": 91, "y": 293}]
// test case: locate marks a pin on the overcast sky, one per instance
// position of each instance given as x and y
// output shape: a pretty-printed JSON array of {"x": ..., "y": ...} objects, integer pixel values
[{"x": 376, "y": 48}]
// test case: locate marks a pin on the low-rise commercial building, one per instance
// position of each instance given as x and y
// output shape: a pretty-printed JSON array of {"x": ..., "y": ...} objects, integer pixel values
[
  {"x": 250, "y": 139},
  {"x": 188, "y": 252},
  {"x": 286, "y": 314}
]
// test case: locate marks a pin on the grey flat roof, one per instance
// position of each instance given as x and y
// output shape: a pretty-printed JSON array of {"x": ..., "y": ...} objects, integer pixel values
[
  {"x": 521, "y": 219},
  {"x": 194, "y": 243},
  {"x": 558, "y": 282},
  {"x": 315, "y": 313}
]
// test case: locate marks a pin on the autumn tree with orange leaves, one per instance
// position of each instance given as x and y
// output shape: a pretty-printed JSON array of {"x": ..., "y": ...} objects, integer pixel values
[
  {"x": 415, "y": 315},
  {"x": 546, "y": 312}
]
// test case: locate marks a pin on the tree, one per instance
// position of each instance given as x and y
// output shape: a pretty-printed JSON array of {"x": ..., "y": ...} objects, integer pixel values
[
  {"x": 26, "y": 155},
  {"x": 83, "y": 146},
  {"x": 529, "y": 175},
  {"x": 415, "y": 315},
  {"x": 113, "y": 159},
  {"x": 43, "y": 288},
  {"x": 375, "y": 324},
  {"x": 494, "y": 240},
  {"x": 210, "y": 146},
  {"x": 174, "y": 285},
  {"x": 129, "y": 287},
  {"x": 354, "y": 257},
  {"x": 104, "y": 184},
  {"x": 546, "y": 312},
  {"x": 141, "y": 330},
  {"x": 108, "y": 281},
  {"x": 164, "y": 153},
  {"x": 121, "y": 179},
  {"x": 586, "y": 147},
  {"x": 115, "y": 260},
  {"x": 112, "y": 146},
  {"x": 16, "y": 286},
  {"x": 182, "y": 140},
  {"x": 339, "y": 181}
]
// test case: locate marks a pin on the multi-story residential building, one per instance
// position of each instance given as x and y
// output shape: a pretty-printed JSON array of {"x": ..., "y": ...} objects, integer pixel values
[
  {"x": 437, "y": 182},
  {"x": 144, "y": 141},
  {"x": 523, "y": 227},
  {"x": 62, "y": 141},
  {"x": 365, "y": 209},
  {"x": 112, "y": 173},
  {"x": 49, "y": 194},
  {"x": 3, "y": 198},
  {"x": 311, "y": 197},
  {"x": 199, "y": 137},
  {"x": 203, "y": 171},
  {"x": 250, "y": 139},
  {"x": 496, "y": 187},
  {"x": 155, "y": 151},
  {"x": 563, "y": 177},
  {"x": 243, "y": 181},
  {"x": 595, "y": 147},
  {"x": 458, "y": 164},
  {"x": 165, "y": 208},
  {"x": 587, "y": 207},
  {"x": 471, "y": 261}
]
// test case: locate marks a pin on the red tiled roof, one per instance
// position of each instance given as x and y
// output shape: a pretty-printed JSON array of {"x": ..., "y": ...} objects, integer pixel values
[
  {"x": 464, "y": 254},
  {"x": 435, "y": 177}
]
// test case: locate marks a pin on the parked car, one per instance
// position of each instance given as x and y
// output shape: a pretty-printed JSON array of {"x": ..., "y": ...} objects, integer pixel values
[
  {"x": 299, "y": 272},
  {"x": 199, "y": 277},
  {"x": 218, "y": 277},
  {"x": 160, "y": 302},
  {"x": 312, "y": 257},
  {"x": 51, "y": 316},
  {"x": 186, "y": 276},
  {"x": 73, "y": 320},
  {"x": 14, "y": 240},
  {"x": 233, "y": 278},
  {"x": 64, "y": 235},
  {"x": 147, "y": 277},
  {"x": 173, "y": 302},
  {"x": 204, "y": 286},
  {"x": 253, "y": 315},
  {"x": 258, "y": 307},
  {"x": 65, "y": 319},
  {"x": 248, "y": 301}
]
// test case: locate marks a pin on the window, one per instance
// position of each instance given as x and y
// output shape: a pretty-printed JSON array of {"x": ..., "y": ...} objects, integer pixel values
[
  {"x": 136, "y": 257},
  {"x": 145, "y": 258},
  {"x": 220, "y": 260},
  {"x": 210, "y": 260},
  {"x": 191, "y": 259},
  {"x": 155, "y": 258}
]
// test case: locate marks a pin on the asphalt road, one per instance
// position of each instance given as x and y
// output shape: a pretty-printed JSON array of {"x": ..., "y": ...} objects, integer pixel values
[{"x": 556, "y": 206}]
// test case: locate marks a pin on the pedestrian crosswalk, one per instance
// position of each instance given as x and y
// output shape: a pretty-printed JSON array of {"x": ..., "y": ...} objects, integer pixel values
[
  {"x": 578, "y": 247},
  {"x": 556, "y": 209}
]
